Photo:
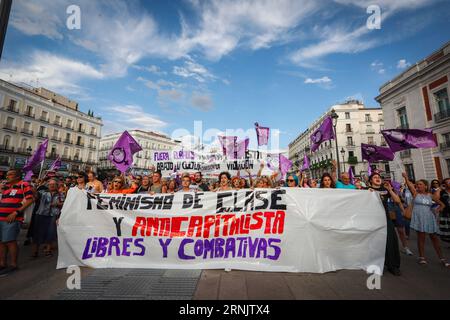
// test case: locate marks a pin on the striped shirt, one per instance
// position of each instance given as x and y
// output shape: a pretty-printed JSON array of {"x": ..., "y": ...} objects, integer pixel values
[{"x": 12, "y": 198}]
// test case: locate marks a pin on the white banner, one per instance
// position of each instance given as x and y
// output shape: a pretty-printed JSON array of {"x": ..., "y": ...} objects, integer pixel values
[{"x": 285, "y": 230}]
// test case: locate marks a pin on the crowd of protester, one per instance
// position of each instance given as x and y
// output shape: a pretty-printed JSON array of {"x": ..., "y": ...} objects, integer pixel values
[{"x": 412, "y": 205}]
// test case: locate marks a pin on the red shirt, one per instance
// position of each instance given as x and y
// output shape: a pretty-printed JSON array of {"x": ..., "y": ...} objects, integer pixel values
[{"x": 12, "y": 199}]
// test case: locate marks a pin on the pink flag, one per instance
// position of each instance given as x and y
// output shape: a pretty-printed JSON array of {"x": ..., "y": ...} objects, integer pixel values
[
  {"x": 285, "y": 165},
  {"x": 237, "y": 150},
  {"x": 262, "y": 133}
]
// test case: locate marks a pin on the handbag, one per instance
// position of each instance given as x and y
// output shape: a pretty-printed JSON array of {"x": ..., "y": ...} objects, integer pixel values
[{"x": 407, "y": 213}]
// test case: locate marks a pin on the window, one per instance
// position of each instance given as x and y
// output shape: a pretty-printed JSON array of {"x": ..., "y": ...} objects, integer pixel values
[
  {"x": 351, "y": 154},
  {"x": 9, "y": 122},
  {"x": 380, "y": 117},
  {"x": 68, "y": 136},
  {"x": 347, "y": 115},
  {"x": 369, "y": 129},
  {"x": 44, "y": 115},
  {"x": 53, "y": 152},
  {"x": 448, "y": 165},
  {"x": 12, "y": 105},
  {"x": 348, "y": 127},
  {"x": 66, "y": 152},
  {"x": 58, "y": 120},
  {"x": 387, "y": 168},
  {"x": 441, "y": 98},
  {"x": 6, "y": 141},
  {"x": 403, "y": 118},
  {"x": 370, "y": 140},
  {"x": 69, "y": 124},
  {"x": 409, "y": 168},
  {"x": 27, "y": 126},
  {"x": 29, "y": 111},
  {"x": 368, "y": 118},
  {"x": 349, "y": 141},
  {"x": 23, "y": 144}
]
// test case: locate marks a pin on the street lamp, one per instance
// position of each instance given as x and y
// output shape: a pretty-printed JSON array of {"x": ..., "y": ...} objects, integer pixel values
[
  {"x": 343, "y": 159},
  {"x": 29, "y": 150},
  {"x": 335, "y": 117}
]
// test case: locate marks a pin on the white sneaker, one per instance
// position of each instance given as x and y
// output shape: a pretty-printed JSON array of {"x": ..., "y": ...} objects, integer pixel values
[{"x": 408, "y": 252}]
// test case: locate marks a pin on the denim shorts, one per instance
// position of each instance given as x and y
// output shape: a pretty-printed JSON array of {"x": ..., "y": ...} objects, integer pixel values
[{"x": 9, "y": 231}]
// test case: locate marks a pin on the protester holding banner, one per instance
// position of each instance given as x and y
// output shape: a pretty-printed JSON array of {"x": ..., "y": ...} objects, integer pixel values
[
  {"x": 145, "y": 186},
  {"x": 199, "y": 182},
  {"x": 172, "y": 186},
  {"x": 224, "y": 182},
  {"x": 186, "y": 184},
  {"x": 327, "y": 181},
  {"x": 423, "y": 218},
  {"x": 44, "y": 226},
  {"x": 93, "y": 185},
  {"x": 157, "y": 185},
  {"x": 118, "y": 186},
  {"x": 344, "y": 182},
  {"x": 82, "y": 180},
  {"x": 236, "y": 183},
  {"x": 385, "y": 191},
  {"x": 292, "y": 181}
]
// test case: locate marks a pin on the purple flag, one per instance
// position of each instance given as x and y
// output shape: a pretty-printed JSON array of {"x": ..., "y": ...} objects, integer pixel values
[
  {"x": 225, "y": 141},
  {"x": 237, "y": 150},
  {"x": 37, "y": 157},
  {"x": 56, "y": 165},
  {"x": 351, "y": 175},
  {"x": 122, "y": 153},
  {"x": 28, "y": 176},
  {"x": 285, "y": 165},
  {"x": 402, "y": 139},
  {"x": 374, "y": 153},
  {"x": 262, "y": 133},
  {"x": 396, "y": 186},
  {"x": 323, "y": 133},
  {"x": 305, "y": 163}
]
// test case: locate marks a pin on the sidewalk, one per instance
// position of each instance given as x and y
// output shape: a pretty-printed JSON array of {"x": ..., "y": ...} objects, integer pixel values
[{"x": 38, "y": 279}]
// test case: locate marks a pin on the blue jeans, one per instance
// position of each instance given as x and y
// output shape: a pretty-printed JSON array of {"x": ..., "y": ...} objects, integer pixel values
[{"x": 9, "y": 231}]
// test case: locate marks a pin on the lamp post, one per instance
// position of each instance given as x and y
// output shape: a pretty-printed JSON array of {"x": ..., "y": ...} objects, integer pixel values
[
  {"x": 335, "y": 117},
  {"x": 343, "y": 157},
  {"x": 29, "y": 150}
]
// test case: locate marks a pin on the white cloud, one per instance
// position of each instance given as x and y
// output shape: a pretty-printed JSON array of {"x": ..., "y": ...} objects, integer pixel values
[
  {"x": 152, "y": 69},
  {"x": 54, "y": 72},
  {"x": 165, "y": 89},
  {"x": 129, "y": 117},
  {"x": 322, "y": 80},
  {"x": 378, "y": 67},
  {"x": 201, "y": 101},
  {"x": 192, "y": 69},
  {"x": 402, "y": 64}
]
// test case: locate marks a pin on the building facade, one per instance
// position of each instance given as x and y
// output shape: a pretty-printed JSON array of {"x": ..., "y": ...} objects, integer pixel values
[
  {"x": 418, "y": 98},
  {"x": 149, "y": 141},
  {"x": 355, "y": 124},
  {"x": 29, "y": 115}
]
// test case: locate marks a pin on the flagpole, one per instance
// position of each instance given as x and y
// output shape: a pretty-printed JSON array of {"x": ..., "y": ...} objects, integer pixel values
[{"x": 42, "y": 167}]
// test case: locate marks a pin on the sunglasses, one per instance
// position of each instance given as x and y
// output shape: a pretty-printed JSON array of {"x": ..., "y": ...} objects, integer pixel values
[
  {"x": 117, "y": 181},
  {"x": 291, "y": 180}
]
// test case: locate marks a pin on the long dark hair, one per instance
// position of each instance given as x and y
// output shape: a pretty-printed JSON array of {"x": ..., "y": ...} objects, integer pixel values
[{"x": 326, "y": 174}]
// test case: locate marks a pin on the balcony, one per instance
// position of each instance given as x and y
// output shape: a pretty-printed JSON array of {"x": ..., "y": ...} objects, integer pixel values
[
  {"x": 348, "y": 131},
  {"x": 445, "y": 146},
  {"x": 12, "y": 109},
  {"x": 52, "y": 155},
  {"x": 58, "y": 123},
  {"x": 442, "y": 115},
  {"x": 68, "y": 141},
  {"x": 23, "y": 151},
  {"x": 66, "y": 158},
  {"x": 44, "y": 119},
  {"x": 405, "y": 154},
  {"x": 350, "y": 144},
  {"x": 93, "y": 134},
  {"x": 68, "y": 126},
  {"x": 92, "y": 147},
  {"x": 370, "y": 131},
  {"x": 383, "y": 144},
  {"x": 56, "y": 139},
  {"x": 80, "y": 144},
  {"x": 352, "y": 160},
  {"x": 42, "y": 135},
  {"x": 82, "y": 130},
  {"x": 27, "y": 132},
  {"x": 6, "y": 148},
  {"x": 77, "y": 159},
  {"x": 29, "y": 115},
  {"x": 10, "y": 128},
  {"x": 368, "y": 120}
]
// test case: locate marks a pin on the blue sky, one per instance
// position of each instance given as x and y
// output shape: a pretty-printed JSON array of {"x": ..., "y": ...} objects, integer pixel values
[{"x": 161, "y": 65}]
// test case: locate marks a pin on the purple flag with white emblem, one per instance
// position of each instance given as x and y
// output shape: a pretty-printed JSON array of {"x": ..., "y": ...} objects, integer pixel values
[
  {"x": 262, "y": 133},
  {"x": 121, "y": 155},
  {"x": 402, "y": 139},
  {"x": 374, "y": 153},
  {"x": 323, "y": 133},
  {"x": 226, "y": 141},
  {"x": 37, "y": 157}
]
